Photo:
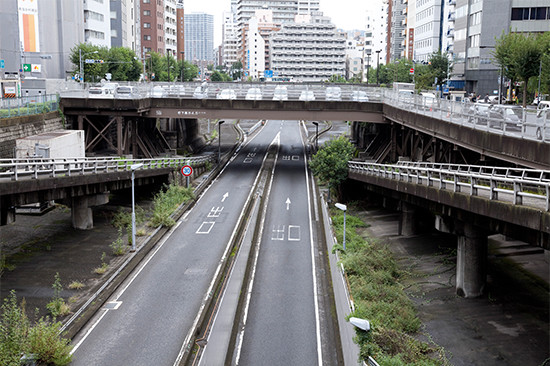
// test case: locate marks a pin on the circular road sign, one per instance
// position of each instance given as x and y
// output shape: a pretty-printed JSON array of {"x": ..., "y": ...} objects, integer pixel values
[
  {"x": 186, "y": 170},
  {"x": 411, "y": 71}
]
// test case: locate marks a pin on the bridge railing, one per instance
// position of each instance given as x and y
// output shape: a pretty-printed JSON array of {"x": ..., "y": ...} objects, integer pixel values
[
  {"x": 528, "y": 187},
  {"x": 24, "y": 106},
  {"x": 520, "y": 122},
  {"x": 19, "y": 169}
]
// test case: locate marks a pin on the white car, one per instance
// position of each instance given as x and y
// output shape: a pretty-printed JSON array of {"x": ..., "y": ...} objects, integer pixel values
[
  {"x": 333, "y": 93},
  {"x": 100, "y": 92},
  {"x": 254, "y": 94},
  {"x": 280, "y": 93},
  {"x": 359, "y": 96},
  {"x": 157, "y": 92},
  {"x": 126, "y": 92},
  {"x": 307, "y": 95},
  {"x": 227, "y": 94}
]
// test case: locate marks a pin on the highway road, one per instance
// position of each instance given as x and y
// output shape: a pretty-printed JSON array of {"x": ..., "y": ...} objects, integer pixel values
[
  {"x": 148, "y": 319},
  {"x": 282, "y": 321}
]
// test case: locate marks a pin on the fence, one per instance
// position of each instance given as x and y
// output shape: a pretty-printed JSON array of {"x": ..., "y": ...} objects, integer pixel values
[{"x": 24, "y": 106}]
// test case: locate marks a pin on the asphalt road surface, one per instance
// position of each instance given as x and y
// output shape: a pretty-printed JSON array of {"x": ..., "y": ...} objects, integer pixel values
[{"x": 147, "y": 320}]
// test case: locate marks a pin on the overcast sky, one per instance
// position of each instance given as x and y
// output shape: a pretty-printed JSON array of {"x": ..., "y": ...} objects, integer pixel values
[{"x": 345, "y": 14}]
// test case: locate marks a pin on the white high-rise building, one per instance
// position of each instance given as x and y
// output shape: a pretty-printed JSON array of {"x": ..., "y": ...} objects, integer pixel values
[
  {"x": 310, "y": 50},
  {"x": 229, "y": 40},
  {"x": 255, "y": 51},
  {"x": 97, "y": 23},
  {"x": 427, "y": 29},
  {"x": 377, "y": 30},
  {"x": 199, "y": 38},
  {"x": 170, "y": 27}
]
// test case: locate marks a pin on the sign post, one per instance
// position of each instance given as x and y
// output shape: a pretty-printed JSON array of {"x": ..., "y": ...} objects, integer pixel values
[{"x": 186, "y": 171}]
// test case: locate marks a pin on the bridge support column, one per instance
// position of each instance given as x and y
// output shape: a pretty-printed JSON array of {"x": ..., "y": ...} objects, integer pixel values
[
  {"x": 407, "y": 223},
  {"x": 7, "y": 211},
  {"x": 81, "y": 211},
  {"x": 471, "y": 266}
]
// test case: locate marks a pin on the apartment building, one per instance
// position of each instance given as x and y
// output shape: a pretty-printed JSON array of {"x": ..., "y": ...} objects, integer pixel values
[
  {"x": 170, "y": 27},
  {"x": 310, "y": 49},
  {"x": 152, "y": 26},
  {"x": 397, "y": 23},
  {"x": 377, "y": 30},
  {"x": 229, "y": 40},
  {"x": 97, "y": 23},
  {"x": 125, "y": 30},
  {"x": 199, "y": 38}
]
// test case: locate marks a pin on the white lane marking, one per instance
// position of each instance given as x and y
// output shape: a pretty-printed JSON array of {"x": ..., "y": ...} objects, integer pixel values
[
  {"x": 195, "y": 322},
  {"x": 88, "y": 332},
  {"x": 277, "y": 140},
  {"x": 288, "y": 203},
  {"x": 225, "y": 196},
  {"x": 205, "y": 227},
  {"x": 294, "y": 233},
  {"x": 278, "y": 232},
  {"x": 215, "y": 212},
  {"x": 313, "y": 270}
]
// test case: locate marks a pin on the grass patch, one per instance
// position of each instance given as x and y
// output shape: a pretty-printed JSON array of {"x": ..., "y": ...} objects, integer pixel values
[
  {"x": 375, "y": 284},
  {"x": 166, "y": 202},
  {"x": 103, "y": 268},
  {"x": 76, "y": 285},
  {"x": 57, "y": 306}
]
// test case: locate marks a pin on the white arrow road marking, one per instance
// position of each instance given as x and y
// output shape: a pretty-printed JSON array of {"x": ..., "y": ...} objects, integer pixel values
[
  {"x": 287, "y": 203},
  {"x": 225, "y": 196}
]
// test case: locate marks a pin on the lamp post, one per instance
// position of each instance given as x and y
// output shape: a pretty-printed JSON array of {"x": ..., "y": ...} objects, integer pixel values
[
  {"x": 316, "y": 135},
  {"x": 343, "y": 208},
  {"x": 80, "y": 62},
  {"x": 219, "y": 140},
  {"x": 134, "y": 167},
  {"x": 182, "y": 64},
  {"x": 377, "y": 65}
]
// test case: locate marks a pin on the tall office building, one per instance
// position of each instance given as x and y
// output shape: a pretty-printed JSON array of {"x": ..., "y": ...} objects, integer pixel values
[
  {"x": 199, "y": 38},
  {"x": 180, "y": 29},
  {"x": 97, "y": 23},
  {"x": 152, "y": 26},
  {"x": 170, "y": 27},
  {"x": 397, "y": 23},
  {"x": 377, "y": 30},
  {"x": 229, "y": 40},
  {"x": 477, "y": 25},
  {"x": 428, "y": 35},
  {"x": 310, "y": 49},
  {"x": 125, "y": 30},
  {"x": 45, "y": 42}
]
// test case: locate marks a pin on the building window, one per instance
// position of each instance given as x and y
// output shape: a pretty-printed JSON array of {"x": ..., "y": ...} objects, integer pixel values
[
  {"x": 146, "y": 38},
  {"x": 147, "y": 12},
  {"x": 146, "y": 1},
  {"x": 146, "y": 25}
]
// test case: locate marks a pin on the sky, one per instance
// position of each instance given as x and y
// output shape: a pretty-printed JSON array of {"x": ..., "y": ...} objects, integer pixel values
[{"x": 345, "y": 14}]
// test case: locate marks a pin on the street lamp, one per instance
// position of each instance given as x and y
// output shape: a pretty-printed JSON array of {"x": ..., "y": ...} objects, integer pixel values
[
  {"x": 316, "y": 135},
  {"x": 343, "y": 208},
  {"x": 134, "y": 167},
  {"x": 219, "y": 140},
  {"x": 377, "y": 65},
  {"x": 368, "y": 67},
  {"x": 182, "y": 64},
  {"x": 80, "y": 61}
]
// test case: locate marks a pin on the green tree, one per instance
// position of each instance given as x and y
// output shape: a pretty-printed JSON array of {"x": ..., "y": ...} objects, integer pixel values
[
  {"x": 236, "y": 70},
  {"x": 123, "y": 64},
  {"x": 519, "y": 55},
  {"x": 330, "y": 163},
  {"x": 337, "y": 79},
  {"x": 219, "y": 76},
  {"x": 92, "y": 71}
]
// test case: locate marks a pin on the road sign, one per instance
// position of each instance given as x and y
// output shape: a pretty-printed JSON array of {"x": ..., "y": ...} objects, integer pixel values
[
  {"x": 26, "y": 67},
  {"x": 2, "y": 64},
  {"x": 411, "y": 71},
  {"x": 93, "y": 61},
  {"x": 186, "y": 170},
  {"x": 268, "y": 73}
]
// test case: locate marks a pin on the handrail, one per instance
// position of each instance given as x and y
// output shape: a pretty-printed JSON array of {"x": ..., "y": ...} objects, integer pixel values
[
  {"x": 516, "y": 186},
  {"x": 17, "y": 169}
]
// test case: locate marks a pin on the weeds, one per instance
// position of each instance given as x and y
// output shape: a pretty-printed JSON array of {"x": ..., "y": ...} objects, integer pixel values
[
  {"x": 76, "y": 285},
  {"x": 166, "y": 202},
  {"x": 103, "y": 268},
  {"x": 57, "y": 307},
  {"x": 118, "y": 246}
]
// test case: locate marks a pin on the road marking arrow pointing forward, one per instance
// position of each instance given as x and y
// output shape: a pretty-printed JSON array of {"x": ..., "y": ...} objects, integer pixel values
[
  {"x": 287, "y": 203},
  {"x": 225, "y": 196}
]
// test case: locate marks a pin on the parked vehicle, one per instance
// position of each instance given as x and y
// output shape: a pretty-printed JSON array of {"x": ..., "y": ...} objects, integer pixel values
[
  {"x": 254, "y": 94},
  {"x": 200, "y": 92},
  {"x": 333, "y": 93},
  {"x": 359, "y": 96},
  {"x": 126, "y": 92},
  {"x": 307, "y": 95},
  {"x": 543, "y": 106},
  {"x": 100, "y": 92},
  {"x": 175, "y": 91},
  {"x": 280, "y": 93},
  {"x": 227, "y": 94},
  {"x": 478, "y": 113},
  {"x": 510, "y": 116},
  {"x": 157, "y": 92}
]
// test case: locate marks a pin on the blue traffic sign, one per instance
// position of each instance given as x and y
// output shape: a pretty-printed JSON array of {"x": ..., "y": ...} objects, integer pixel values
[
  {"x": 2, "y": 64},
  {"x": 268, "y": 73},
  {"x": 186, "y": 170}
]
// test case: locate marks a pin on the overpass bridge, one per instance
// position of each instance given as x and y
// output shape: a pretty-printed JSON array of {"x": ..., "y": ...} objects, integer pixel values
[
  {"x": 80, "y": 182},
  {"x": 419, "y": 128}
]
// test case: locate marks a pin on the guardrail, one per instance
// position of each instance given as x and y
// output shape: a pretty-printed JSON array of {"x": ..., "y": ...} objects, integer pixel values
[
  {"x": 18, "y": 169},
  {"x": 24, "y": 106},
  {"x": 527, "y": 187}
]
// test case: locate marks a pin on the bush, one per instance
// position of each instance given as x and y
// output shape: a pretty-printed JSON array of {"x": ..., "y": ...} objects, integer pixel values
[
  {"x": 14, "y": 326},
  {"x": 166, "y": 202},
  {"x": 45, "y": 343},
  {"x": 118, "y": 246},
  {"x": 57, "y": 306}
]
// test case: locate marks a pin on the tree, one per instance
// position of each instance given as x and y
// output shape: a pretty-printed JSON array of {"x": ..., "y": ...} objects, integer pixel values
[
  {"x": 236, "y": 70},
  {"x": 219, "y": 76},
  {"x": 92, "y": 71},
  {"x": 337, "y": 79},
  {"x": 123, "y": 64},
  {"x": 330, "y": 163},
  {"x": 519, "y": 55}
]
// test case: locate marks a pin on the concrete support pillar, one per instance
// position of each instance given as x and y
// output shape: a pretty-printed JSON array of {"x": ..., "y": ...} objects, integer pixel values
[
  {"x": 7, "y": 211},
  {"x": 193, "y": 138},
  {"x": 471, "y": 266},
  {"x": 81, "y": 212},
  {"x": 407, "y": 224}
]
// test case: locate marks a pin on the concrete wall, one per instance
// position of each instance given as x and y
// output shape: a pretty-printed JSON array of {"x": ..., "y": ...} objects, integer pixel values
[{"x": 19, "y": 127}]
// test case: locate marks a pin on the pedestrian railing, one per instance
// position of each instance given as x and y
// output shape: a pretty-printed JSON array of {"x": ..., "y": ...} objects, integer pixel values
[
  {"x": 18, "y": 169},
  {"x": 527, "y": 187},
  {"x": 24, "y": 106}
]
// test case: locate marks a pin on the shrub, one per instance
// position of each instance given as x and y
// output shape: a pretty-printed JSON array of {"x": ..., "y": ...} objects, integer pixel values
[
  {"x": 14, "y": 326},
  {"x": 118, "y": 246},
  {"x": 46, "y": 344},
  {"x": 57, "y": 306},
  {"x": 166, "y": 202}
]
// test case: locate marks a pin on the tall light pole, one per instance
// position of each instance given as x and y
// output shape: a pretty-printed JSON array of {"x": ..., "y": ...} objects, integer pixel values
[
  {"x": 182, "y": 64},
  {"x": 80, "y": 59},
  {"x": 343, "y": 208},
  {"x": 134, "y": 167},
  {"x": 220, "y": 140},
  {"x": 377, "y": 65},
  {"x": 316, "y": 135},
  {"x": 368, "y": 67}
]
